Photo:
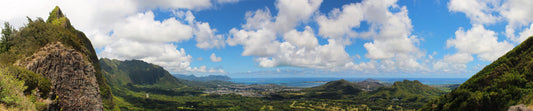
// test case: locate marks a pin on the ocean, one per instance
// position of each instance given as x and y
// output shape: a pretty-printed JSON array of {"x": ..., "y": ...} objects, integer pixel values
[{"x": 311, "y": 82}]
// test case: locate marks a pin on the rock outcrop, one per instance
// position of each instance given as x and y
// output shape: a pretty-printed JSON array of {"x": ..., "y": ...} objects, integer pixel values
[
  {"x": 520, "y": 107},
  {"x": 74, "y": 84}
]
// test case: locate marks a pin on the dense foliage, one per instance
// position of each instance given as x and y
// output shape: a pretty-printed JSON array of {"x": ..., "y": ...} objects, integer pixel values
[
  {"x": 19, "y": 44},
  {"x": 16, "y": 94},
  {"x": 11, "y": 92},
  {"x": 137, "y": 72},
  {"x": 31, "y": 80},
  {"x": 507, "y": 81},
  {"x": 5, "y": 43}
]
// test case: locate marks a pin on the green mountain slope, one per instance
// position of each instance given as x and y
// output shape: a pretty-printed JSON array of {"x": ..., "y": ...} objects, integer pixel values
[
  {"x": 506, "y": 82},
  {"x": 409, "y": 94},
  {"x": 17, "y": 45},
  {"x": 137, "y": 72},
  {"x": 138, "y": 85},
  {"x": 406, "y": 88},
  {"x": 334, "y": 90}
]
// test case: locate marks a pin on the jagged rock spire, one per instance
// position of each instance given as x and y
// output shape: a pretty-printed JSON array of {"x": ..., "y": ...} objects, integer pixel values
[
  {"x": 55, "y": 14},
  {"x": 58, "y": 18}
]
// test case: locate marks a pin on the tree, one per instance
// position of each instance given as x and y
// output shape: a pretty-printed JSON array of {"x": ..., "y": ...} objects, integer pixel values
[{"x": 7, "y": 32}]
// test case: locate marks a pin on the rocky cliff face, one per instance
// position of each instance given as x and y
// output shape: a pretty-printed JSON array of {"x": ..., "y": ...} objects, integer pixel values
[{"x": 74, "y": 84}]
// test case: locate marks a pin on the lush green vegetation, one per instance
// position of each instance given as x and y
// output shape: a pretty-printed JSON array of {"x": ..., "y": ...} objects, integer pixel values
[
  {"x": 155, "y": 91},
  {"x": 11, "y": 92},
  {"x": 18, "y": 89},
  {"x": 137, "y": 72},
  {"x": 19, "y": 44},
  {"x": 345, "y": 95},
  {"x": 505, "y": 82},
  {"x": 31, "y": 80},
  {"x": 5, "y": 43}
]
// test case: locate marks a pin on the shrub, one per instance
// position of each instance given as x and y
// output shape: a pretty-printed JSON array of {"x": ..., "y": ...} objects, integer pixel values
[
  {"x": 11, "y": 92},
  {"x": 31, "y": 80}
]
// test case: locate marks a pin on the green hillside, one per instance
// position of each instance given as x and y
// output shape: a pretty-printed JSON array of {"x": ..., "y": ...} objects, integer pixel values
[
  {"x": 21, "y": 43},
  {"x": 506, "y": 82},
  {"x": 406, "y": 89},
  {"x": 347, "y": 95},
  {"x": 334, "y": 90},
  {"x": 409, "y": 94},
  {"x": 137, "y": 72},
  {"x": 132, "y": 81}
]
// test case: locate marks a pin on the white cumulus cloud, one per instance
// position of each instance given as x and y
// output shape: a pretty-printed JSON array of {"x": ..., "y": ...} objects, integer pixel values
[
  {"x": 275, "y": 41},
  {"x": 479, "y": 11},
  {"x": 305, "y": 39},
  {"x": 214, "y": 58},
  {"x": 331, "y": 55},
  {"x": 516, "y": 13},
  {"x": 293, "y": 12},
  {"x": 259, "y": 37},
  {"x": 169, "y": 56},
  {"x": 143, "y": 27},
  {"x": 390, "y": 32},
  {"x": 480, "y": 41}
]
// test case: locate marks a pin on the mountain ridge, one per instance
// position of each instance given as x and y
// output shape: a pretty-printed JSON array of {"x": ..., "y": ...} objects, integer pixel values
[
  {"x": 138, "y": 72},
  {"x": 506, "y": 82}
]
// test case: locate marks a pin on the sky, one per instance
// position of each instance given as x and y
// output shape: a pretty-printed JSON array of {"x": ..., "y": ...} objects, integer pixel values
[{"x": 296, "y": 38}]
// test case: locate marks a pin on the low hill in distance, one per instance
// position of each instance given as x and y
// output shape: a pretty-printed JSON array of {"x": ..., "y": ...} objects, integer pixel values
[
  {"x": 506, "y": 82},
  {"x": 371, "y": 84},
  {"x": 334, "y": 90},
  {"x": 203, "y": 78},
  {"x": 407, "y": 89},
  {"x": 401, "y": 95}
]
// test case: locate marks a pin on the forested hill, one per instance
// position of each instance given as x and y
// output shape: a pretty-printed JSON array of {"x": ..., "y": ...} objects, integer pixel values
[
  {"x": 137, "y": 72},
  {"x": 408, "y": 89},
  {"x": 506, "y": 82},
  {"x": 334, "y": 90}
]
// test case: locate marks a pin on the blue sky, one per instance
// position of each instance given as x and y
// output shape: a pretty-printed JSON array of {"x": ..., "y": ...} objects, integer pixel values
[{"x": 300, "y": 38}]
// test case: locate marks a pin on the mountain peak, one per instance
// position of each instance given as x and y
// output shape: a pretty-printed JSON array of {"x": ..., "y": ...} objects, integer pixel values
[
  {"x": 58, "y": 18},
  {"x": 56, "y": 13},
  {"x": 340, "y": 85}
]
